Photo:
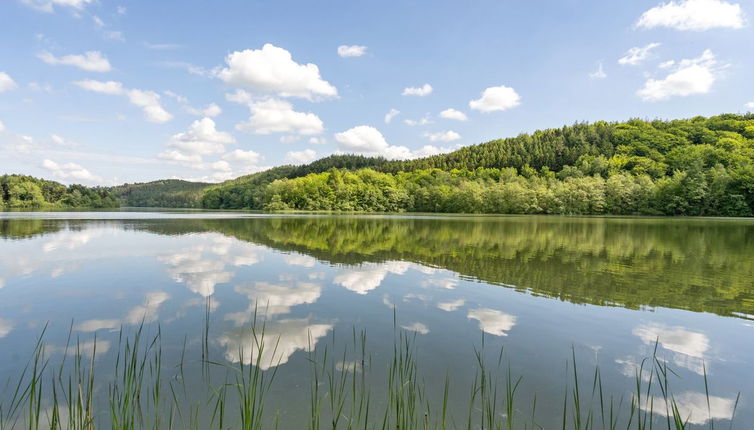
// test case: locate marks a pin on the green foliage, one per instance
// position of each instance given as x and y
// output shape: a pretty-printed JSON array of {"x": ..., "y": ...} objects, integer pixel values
[
  {"x": 697, "y": 166},
  {"x": 247, "y": 192},
  {"x": 168, "y": 193},
  {"x": 26, "y": 192}
]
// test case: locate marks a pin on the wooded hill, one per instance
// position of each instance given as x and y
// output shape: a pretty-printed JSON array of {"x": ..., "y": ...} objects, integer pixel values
[
  {"x": 27, "y": 192},
  {"x": 697, "y": 166}
]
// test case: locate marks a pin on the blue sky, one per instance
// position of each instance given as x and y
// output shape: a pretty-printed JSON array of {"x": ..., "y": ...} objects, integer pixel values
[{"x": 106, "y": 92}]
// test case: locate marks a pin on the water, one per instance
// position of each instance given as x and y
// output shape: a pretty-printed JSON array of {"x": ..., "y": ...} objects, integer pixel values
[{"x": 608, "y": 290}]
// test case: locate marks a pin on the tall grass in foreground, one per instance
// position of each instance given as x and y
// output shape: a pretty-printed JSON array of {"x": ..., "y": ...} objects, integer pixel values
[{"x": 347, "y": 390}]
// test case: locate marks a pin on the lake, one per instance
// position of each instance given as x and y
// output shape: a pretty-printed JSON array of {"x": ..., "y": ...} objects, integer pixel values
[{"x": 336, "y": 301}]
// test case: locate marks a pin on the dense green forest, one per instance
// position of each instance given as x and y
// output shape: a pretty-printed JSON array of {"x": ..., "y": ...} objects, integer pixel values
[
  {"x": 248, "y": 192},
  {"x": 20, "y": 191},
  {"x": 697, "y": 166},
  {"x": 168, "y": 193}
]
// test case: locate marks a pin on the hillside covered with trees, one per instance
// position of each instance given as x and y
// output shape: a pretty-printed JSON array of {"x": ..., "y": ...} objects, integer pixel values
[
  {"x": 20, "y": 191},
  {"x": 697, "y": 166},
  {"x": 167, "y": 193}
]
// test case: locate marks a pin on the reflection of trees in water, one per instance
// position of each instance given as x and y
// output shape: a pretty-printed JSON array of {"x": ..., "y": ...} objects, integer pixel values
[{"x": 696, "y": 264}]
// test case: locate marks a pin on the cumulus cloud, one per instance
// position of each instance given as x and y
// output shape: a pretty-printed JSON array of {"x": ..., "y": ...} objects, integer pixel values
[
  {"x": 69, "y": 171},
  {"x": 241, "y": 156},
  {"x": 6, "y": 82},
  {"x": 637, "y": 54},
  {"x": 300, "y": 157},
  {"x": 317, "y": 140},
  {"x": 687, "y": 77},
  {"x": 202, "y": 138},
  {"x": 273, "y": 70},
  {"x": 281, "y": 339},
  {"x": 367, "y": 277},
  {"x": 148, "y": 101},
  {"x": 493, "y": 322},
  {"x": 351, "y": 51},
  {"x": 91, "y": 61},
  {"x": 451, "y": 305},
  {"x": 496, "y": 99},
  {"x": 390, "y": 115},
  {"x": 277, "y": 116},
  {"x": 212, "y": 110},
  {"x": 443, "y": 136},
  {"x": 368, "y": 140},
  {"x": 453, "y": 114},
  {"x": 422, "y": 91},
  {"x": 599, "y": 73},
  {"x": 417, "y": 327},
  {"x": 415, "y": 122},
  {"x": 50, "y": 5},
  {"x": 695, "y": 15},
  {"x": 694, "y": 408}
]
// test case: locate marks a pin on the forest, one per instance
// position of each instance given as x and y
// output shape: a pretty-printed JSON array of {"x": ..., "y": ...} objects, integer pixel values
[
  {"x": 698, "y": 166},
  {"x": 167, "y": 193},
  {"x": 27, "y": 192}
]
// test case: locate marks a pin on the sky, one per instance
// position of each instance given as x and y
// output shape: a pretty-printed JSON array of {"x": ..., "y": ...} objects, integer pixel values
[{"x": 104, "y": 92}]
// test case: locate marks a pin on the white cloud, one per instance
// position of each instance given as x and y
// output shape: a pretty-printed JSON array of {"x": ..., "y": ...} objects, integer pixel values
[
  {"x": 694, "y": 408},
  {"x": 351, "y": 51},
  {"x": 430, "y": 150},
  {"x": 317, "y": 140},
  {"x": 69, "y": 171},
  {"x": 688, "y": 77},
  {"x": 6, "y": 326},
  {"x": 239, "y": 96},
  {"x": 91, "y": 61},
  {"x": 368, "y": 140},
  {"x": 367, "y": 277},
  {"x": 422, "y": 91},
  {"x": 2, "y": 127},
  {"x": 452, "y": 305},
  {"x": 453, "y": 114},
  {"x": 61, "y": 141},
  {"x": 749, "y": 105},
  {"x": 442, "y": 136},
  {"x": 148, "y": 101},
  {"x": 241, "y": 156},
  {"x": 300, "y": 157},
  {"x": 281, "y": 339},
  {"x": 496, "y": 99},
  {"x": 115, "y": 35},
  {"x": 417, "y": 327},
  {"x": 676, "y": 339},
  {"x": 277, "y": 116},
  {"x": 50, "y": 5},
  {"x": 493, "y": 322},
  {"x": 6, "y": 82},
  {"x": 121, "y": 10},
  {"x": 695, "y": 15},
  {"x": 212, "y": 110},
  {"x": 599, "y": 73},
  {"x": 415, "y": 122},
  {"x": 299, "y": 260},
  {"x": 202, "y": 138},
  {"x": 390, "y": 115},
  {"x": 637, "y": 54},
  {"x": 272, "y": 69},
  {"x": 109, "y": 87}
]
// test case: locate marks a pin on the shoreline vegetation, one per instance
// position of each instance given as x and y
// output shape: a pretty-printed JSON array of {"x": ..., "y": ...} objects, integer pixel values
[
  {"x": 689, "y": 167},
  {"x": 347, "y": 389}
]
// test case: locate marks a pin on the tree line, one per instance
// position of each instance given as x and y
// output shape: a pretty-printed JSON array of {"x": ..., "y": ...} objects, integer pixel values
[
  {"x": 697, "y": 166},
  {"x": 21, "y": 191}
]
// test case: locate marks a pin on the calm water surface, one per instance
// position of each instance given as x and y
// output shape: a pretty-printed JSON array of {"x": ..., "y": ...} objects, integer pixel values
[{"x": 606, "y": 289}]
